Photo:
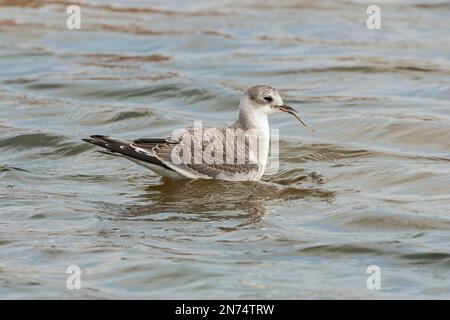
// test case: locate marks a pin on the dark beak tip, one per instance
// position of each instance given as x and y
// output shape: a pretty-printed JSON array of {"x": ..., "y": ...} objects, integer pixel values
[{"x": 288, "y": 109}]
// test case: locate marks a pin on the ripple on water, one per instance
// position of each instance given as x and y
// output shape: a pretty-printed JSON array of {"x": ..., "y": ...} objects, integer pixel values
[
  {"x": 428, "y": 258},
  {"x": 49, "y": 145},
  {"x": 300, "y": 152},
  {"x": 213, "y": 201},
  {"x": 369, "y": 187},
  {"x": 132, "y": 114},
  {"x": 31, "y": 140},
  {"x": 397, "y": 222}
]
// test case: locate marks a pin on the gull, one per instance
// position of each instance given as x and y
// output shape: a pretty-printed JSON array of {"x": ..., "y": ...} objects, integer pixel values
[{"x": 237, "y": 152}]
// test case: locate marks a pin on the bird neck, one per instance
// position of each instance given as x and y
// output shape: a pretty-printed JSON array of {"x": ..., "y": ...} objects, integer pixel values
[
  {"x": 256, "y": 126},
  {"x": 254, "y": 120}
]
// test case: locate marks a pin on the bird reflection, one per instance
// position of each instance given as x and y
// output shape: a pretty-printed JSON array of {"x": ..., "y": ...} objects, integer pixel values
[{"x": 245, "y": 203}]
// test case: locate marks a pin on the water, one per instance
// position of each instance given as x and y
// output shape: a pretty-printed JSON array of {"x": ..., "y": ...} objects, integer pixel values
[{"x": 371, "y": 187}]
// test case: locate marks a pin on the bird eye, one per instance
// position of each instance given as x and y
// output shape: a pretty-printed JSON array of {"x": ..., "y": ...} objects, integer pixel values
[{"x": 268, "y": 98}]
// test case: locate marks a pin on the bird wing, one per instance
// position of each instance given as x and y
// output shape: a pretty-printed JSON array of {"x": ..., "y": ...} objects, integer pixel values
[
  {"x": 125, "y": 148},
  {"x": 207, "y": 153}
]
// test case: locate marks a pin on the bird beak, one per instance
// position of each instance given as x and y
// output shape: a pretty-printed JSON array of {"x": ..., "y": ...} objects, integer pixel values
[{"x": 288, "y": 109}]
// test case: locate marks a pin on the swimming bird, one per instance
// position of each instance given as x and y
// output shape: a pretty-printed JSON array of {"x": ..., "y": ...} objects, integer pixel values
[{"x": 237, "y": 152}]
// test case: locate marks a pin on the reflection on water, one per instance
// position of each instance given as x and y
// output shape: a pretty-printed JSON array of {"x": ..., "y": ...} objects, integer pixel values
[
  {"x": 371, "y": 186},
  {"x": 201, "y": 200}
]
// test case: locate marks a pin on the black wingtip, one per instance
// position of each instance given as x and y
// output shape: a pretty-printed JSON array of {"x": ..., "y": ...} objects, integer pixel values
[
  {"x": 108, "y": 152},
  {"x": 94, "y": 141},
  {"x": 98, "y": 136},
  {"x": 124, "y": 148}
]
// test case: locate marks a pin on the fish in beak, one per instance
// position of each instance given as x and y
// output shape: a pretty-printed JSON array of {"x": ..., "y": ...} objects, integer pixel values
[{"x": 288, "y": 109}]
